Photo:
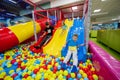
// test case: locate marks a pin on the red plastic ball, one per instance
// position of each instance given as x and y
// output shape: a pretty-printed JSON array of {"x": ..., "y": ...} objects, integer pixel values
[
  {"x": 14, "y": 75},
  {"x": 26, "y": 75},
  {"x": 35, "y": 71},
  {"x": 13, "y": 61}
]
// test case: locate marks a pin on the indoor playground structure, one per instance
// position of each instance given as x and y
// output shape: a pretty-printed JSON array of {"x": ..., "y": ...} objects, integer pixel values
[{"x": 20, "y": 60}]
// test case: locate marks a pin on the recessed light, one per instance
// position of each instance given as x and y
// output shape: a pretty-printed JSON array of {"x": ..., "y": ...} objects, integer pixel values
[
  {"x": 103, "y": 0},
  {"x": 97, "y": 10},
  {"x": 74, "y": 8},
  {"x": 114, "y": 19},
  {"x": 100, "y": 24}
]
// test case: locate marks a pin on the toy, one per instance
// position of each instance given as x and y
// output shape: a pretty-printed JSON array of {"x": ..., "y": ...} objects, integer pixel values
[
  {"x": 73, "y": 75},
  {"x": 65, "y": 73}
]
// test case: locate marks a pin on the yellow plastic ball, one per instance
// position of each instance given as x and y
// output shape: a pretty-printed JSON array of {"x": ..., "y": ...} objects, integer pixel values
[
  {"x": 60, "y": 77},
  {"x": 95, "y": 77},
  {"x": 92, "y": 69},
  {"x": 38, "y": 77},
  {"x": 11, "y": 71},
  {"x": 72, "y": 75},
  {"x": 81, "y": 79},
  {"x": 24, "y": 79},
  {"x": 41, "y": 70},
  {"x": 49, "y": 66},
  {"x": 52, "y": 78},
  {"x": 9, "y": 65},
  {"x": 56, "y": 64},
  {"x": 1, "y": 68},
  {"x": 65, "y": 73},
  {"x": 81, "y": 71},
  {"x": 84, "y": 75},
  {"x": 29, "y": 78},
  {"x": 2, "y": 74},
  {"x": 18, "y": 69},
  {"x": 61, "y": 71},
  {"x": 7, "y": 77},
  {"x": 45, "y": 75},
  {"x": 29, "y": 72}
]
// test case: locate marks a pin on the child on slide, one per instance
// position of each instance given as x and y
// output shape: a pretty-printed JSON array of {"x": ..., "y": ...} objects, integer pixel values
[
  {"x": 72, "y": 50},
  {"x": 64, "y": 27},
  {"x": 49, "y": 30}
]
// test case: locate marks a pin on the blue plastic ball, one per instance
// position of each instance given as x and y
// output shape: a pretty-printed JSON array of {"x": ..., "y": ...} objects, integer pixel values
[
  {"x": 70, "y": 79},
  {"x": 79, "y": 76},
  {"x": 86, "y": 78}
]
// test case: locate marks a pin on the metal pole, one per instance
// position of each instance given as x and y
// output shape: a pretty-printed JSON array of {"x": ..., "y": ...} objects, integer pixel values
[
  {"x": 72, "y": 15},
  {"x": 87, "y": 22},
  {"x": 60, "y": 15},
  {"x": 47, "y": 16},
  {"x": 34, "y": 25},
  {"x": 55, "y": 16}
]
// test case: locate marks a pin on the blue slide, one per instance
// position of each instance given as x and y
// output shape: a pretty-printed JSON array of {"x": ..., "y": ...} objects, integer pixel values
[{"x": 77, "y": 28}]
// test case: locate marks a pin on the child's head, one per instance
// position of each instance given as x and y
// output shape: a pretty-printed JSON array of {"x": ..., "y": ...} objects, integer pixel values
[
  {"x": 63, "y": 23},
  {"x": 47, "y": 24},
  {"x": 75, "y": 37}
]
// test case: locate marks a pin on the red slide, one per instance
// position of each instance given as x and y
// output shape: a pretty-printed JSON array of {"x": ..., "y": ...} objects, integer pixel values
[{"x": 41, "y": 38}]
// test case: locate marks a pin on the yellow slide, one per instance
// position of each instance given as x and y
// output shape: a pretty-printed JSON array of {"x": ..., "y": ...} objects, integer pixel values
[{"x": 54, "y": 47}]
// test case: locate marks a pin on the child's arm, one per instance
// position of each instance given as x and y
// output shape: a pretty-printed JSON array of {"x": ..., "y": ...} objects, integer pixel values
[
  {"x": 81, "y": 45},
  {"x": 66, "y": 43}
]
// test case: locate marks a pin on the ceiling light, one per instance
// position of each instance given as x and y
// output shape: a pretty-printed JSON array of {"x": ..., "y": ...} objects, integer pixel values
[
  {"x": 10, "y": 14},
  {"x": 74, "y": 8},
  {"x": 103, "y": 0},
  {"x": 99, "y": 24},
  {"x": 114, "y": 19},
  {"x": 97, "y": 10},
  {"x": 13, "y": 1},
  {"x": 97, "y": 14}
]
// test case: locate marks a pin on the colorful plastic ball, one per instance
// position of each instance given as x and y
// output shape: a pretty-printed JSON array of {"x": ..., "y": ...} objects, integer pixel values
[
  {"x": 8, "y": 78},
  {"x": 9, "y": 65},
  {"x": 65, "y": 73},
  {"x": 35, "y": 71},
  {"x": 60, "y": 77},
  {"x": 45, "y": 75},
  {"x": 73, "y": 75},
  {"x": 70, "y": 79},
  {"x": 14, "y": 75},
  {"x": 33, "y": 75},
  {"x": 79, "y": 76},
  {"x": 59, "y": 67},
  {"x": 52, "y": 79},
  {"x": 2, "y": 74},
  {"x": 81, "y": 79},
  {"x": 61, "y": 71},
  {"x": 29, "y": 78},
  {"x": 11, "y": 71},
  {"x": 38, "y": 77},
  {"x": 84, "y": 75},
  {"x": 81, "y": 71},
  {"x": 86, "y": 78},
  {"x": 95, "y": 77},
  {"x": 92, "y": 69}
]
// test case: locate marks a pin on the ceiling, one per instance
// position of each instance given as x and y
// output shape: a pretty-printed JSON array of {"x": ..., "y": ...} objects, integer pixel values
[
  {"x": 110, "y": 10},
  {"x": 12, "y": 8},
  {"x": 39, "y": 1}
]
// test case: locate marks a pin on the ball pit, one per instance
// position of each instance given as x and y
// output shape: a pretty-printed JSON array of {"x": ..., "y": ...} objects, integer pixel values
[{"x": 20, "y": 63}]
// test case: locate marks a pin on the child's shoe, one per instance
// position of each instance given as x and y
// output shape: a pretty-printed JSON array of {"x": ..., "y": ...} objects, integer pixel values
[{"x": 74, "y": 69}]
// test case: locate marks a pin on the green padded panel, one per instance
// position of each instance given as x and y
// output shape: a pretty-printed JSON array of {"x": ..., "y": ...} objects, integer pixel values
[
  {"x": 111, "y": 38},
  {"x": 93, "y": 33}
]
